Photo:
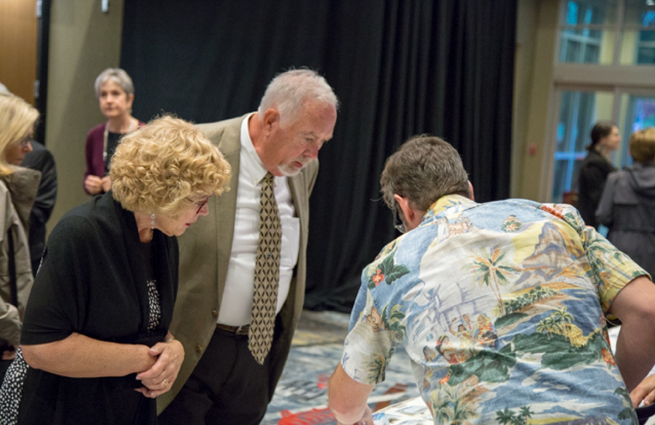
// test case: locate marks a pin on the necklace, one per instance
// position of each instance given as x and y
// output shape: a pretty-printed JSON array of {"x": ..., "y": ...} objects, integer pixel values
[{"x": 105, "y": 137}]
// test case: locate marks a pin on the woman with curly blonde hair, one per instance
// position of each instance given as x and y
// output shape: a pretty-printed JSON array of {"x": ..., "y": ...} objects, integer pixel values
[
  {"x": 103, "y": 299},
  {"x": 18, "y": 188}
]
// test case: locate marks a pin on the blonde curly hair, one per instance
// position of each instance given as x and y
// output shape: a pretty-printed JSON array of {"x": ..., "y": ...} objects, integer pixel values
[
  {"x": 17, "y": 117},
  {"x": 158, "y": 168}
]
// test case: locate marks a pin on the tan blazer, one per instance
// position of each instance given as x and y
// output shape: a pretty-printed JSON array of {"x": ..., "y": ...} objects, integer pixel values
[
  {"x": 204, "y": 257},
  {"x": 17, "y": 195}
]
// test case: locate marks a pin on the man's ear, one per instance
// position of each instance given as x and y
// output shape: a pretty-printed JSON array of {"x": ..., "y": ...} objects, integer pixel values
[
  {"x": 412, "y": 217},
  {"x": 271, "y": 120},
  {"x": 471, "y": 194},
  {"x": 403, "y": 203}
]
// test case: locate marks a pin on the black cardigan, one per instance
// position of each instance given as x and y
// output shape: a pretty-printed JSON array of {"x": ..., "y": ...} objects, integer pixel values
[
  {"x": 93, "y": 281},
  {"x": 591, "y": 181}
]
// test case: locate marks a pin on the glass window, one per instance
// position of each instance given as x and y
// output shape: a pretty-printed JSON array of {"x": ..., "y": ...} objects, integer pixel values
[
  {"x": 578, "y": 112},
  {"x": 589, "y": 31},
  {"x": 584, "y": 46},
  {"x": 588, "y": 12},
  {"x": 637, "y": 113},
  {"x": 639, "y": 13}
]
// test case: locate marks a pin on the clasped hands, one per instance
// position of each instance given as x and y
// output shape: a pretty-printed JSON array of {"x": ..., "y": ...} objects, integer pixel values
[
  {"x": 158, "y": 379},
  {"x": 95, "y": 184}
]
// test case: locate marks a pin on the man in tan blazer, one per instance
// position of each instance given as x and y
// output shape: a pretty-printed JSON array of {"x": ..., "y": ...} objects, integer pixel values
[{"x": 220, "y": 380}]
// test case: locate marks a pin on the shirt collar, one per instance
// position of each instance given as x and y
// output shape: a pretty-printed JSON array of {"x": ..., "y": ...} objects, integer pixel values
[
  {"x": 251, "y": 163},
  {"x": 447, "y": 202}
]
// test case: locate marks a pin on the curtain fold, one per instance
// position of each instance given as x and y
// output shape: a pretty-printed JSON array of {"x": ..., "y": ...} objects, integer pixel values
[{"x": 398, "y": 67}]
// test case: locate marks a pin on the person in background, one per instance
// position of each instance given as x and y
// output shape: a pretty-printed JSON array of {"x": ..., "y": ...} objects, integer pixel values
[
  {"x": 627, "y": 207},
  {"x": 243, "y": 272},
  {"x": 97, "y": 321},
  {"x": 533, "y": 276},
  {"x": 18, "y": 188},
  {"x": 115, "y": 92},
  {"x": 605, "y": 139},
  {"x": 40, "y": 159}
]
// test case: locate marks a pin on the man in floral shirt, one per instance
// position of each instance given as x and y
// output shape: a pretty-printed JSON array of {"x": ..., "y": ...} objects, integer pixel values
[{"x": 501, "y": 306}]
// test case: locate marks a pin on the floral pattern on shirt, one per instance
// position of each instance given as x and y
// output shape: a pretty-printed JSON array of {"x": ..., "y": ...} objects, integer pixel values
[{"x": 501, "y": 308}]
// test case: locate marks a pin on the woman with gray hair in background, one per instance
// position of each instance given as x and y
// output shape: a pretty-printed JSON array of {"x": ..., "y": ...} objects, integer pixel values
[{"x": 115, "y": 92}]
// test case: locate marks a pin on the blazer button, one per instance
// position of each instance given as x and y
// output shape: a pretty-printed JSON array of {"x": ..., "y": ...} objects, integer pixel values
[
  {"x": 198, "y": 349},
  {"x": 215, "y": 314}
]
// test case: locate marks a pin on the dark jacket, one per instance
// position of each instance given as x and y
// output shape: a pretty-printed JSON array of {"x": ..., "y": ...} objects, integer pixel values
[
  {"x": 40, "y": 159},
  {"x": 627, "y": 208},
  {"x": 93, "y": 282},
  {"x": 591, "y": 182}
]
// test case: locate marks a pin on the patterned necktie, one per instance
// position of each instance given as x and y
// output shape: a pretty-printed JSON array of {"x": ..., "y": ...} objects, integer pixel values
[{"x": 267, "y": 274}]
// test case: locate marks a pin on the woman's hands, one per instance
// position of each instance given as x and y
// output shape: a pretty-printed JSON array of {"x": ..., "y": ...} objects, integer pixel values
[
  {"x": 106, "y": 183},
  {"x": 159, "y": 378},
  {"x": 95, "y": 184}
]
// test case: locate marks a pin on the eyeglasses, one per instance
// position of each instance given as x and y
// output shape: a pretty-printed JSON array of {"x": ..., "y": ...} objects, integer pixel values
[
  {"x": 200, "y": 204},
  {"x": 25, "y": 141},
  {"x": 397, "y": 222}
]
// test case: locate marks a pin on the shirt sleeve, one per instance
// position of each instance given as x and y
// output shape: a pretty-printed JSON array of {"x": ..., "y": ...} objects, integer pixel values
[
  {"x": 57, "y": 303},
  {"x": 610, "y": 269},
  {"x": 368, "y": 346}
]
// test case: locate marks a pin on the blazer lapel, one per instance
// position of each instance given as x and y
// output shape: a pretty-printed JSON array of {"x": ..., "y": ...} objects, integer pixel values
[
  {"x": 230, "y": 146},
  {"x": 297, "y": 189},
  {"x": 299, "y": 196}
]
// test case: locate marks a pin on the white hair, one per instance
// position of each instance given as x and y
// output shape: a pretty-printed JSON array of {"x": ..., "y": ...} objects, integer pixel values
[
  {"x": 288, "y": 92},
  {"x": 4, "y": 89},
  {"x": 117, "y": 75}
]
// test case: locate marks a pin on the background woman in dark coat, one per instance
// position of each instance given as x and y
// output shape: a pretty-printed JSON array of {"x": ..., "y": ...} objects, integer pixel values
[
  {"x": 95, "y": 333},
  {"x": 627, "y": 207},
  {"x": 605, "y": 139}
]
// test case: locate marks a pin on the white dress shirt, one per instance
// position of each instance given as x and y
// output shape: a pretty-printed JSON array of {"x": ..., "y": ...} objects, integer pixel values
[{"x": 239, "y": 284}]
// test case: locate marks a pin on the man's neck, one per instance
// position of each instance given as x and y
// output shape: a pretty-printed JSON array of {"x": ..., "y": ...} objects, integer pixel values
[{"x": 256, "y": 134}]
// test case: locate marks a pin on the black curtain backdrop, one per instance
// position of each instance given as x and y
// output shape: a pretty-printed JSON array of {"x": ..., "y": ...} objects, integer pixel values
[{"x": 399, "y": 68}]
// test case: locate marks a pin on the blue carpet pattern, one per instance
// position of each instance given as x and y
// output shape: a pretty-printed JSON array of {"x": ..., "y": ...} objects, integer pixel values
[{"x": 301, "y": 395}]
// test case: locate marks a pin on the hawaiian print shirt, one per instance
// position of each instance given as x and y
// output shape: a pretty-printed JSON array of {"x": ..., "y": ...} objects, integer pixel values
[{"x": 500, "y": 308}]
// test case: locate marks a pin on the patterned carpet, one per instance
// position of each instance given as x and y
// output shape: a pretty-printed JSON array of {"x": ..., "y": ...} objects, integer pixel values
[{"x": 301, "y": 395}]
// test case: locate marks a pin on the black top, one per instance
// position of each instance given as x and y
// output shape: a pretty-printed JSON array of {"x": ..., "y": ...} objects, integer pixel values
[
  {"x": 112, "y": 144},
  {"x": 40, "y": 159},
  {"x": 93, "y": 280},
  {"x": 591, "y": 181}
]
